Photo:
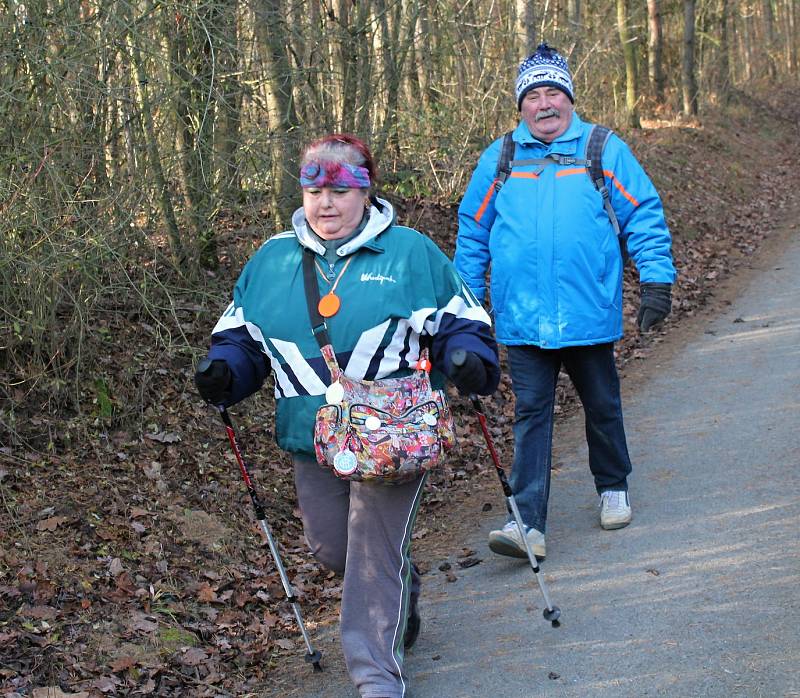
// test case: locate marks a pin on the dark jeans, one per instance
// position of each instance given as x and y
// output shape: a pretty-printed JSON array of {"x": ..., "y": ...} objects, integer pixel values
[{"x": 534, "y": 374}]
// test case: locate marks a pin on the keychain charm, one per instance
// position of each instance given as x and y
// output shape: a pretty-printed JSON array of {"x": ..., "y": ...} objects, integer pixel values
[
  {"x": 345, "y": 462},
  {"x": 334, "y": 393}
]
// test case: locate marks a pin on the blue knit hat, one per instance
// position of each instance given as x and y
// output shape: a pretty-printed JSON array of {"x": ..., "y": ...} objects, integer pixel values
[{"x": 545, "y": 67}]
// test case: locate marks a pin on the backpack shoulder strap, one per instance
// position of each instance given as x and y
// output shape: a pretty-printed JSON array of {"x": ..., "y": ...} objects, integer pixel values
[
  {"x": 504, "y": 161},
  {"x": 594, "y": 155},
  {"x": 594, "y": 166}
]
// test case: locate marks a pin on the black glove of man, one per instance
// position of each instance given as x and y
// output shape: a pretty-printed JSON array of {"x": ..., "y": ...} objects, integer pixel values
[
  {"x": 656, "y": 302},
  {"x": 213, "y": 381},
  {"x": 467, "y": 371}
]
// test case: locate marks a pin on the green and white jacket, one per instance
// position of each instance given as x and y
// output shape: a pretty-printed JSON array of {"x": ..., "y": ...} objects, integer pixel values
[{"x": 399, "y": 292}]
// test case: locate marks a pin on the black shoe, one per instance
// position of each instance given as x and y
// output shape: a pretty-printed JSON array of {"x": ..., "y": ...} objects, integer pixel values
[{"x": 412, "y": 627}]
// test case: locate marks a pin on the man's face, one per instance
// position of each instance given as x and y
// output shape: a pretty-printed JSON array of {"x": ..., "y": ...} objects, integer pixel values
[{"x": 547, "y": 111}]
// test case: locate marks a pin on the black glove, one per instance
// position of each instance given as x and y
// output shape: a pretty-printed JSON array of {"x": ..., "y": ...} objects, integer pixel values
[
  {"x": 213, "y": 381},
  {"x": 467, "y": 371},
  {"x": 656, "y": 302}
]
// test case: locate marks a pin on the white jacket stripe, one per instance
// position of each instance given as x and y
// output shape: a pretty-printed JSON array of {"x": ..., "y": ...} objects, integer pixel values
[
  {"x": 458, "y": 307},
  {"x": 302, "y": 369},
  {"x": 368, "y": 343},
  {"x": 283, "y": 384},
  {"x": 232, "y": 319},
  {"x": 391, "y": 355}
]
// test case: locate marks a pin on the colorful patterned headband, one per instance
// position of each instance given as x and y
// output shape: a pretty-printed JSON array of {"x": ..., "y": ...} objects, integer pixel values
[{"x": 334, "y": 174}]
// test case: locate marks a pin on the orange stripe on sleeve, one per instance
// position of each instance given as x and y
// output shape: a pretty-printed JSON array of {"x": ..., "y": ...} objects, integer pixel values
[
  {"x": 609, "y": 173},
  {"x": 525, "y": 175},
  {"x": 485, "y": 202}
]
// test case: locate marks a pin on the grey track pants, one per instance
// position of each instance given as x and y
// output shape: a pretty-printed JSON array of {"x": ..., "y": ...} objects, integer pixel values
[{"x": 364, "y": 532}]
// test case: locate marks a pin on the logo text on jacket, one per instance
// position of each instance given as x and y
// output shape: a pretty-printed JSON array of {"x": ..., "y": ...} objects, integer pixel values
[{"x": 380, "y": 278}]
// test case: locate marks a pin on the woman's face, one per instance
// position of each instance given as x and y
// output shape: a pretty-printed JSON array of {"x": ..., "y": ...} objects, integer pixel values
[{"x": 334, "y": 212}]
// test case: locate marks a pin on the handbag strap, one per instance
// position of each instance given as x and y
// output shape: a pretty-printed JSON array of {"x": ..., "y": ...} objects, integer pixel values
[{"x": 318, "y": 327}]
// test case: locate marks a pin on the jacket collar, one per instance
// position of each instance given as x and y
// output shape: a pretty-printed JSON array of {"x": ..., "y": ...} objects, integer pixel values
[
  {"x": 565, "y": 144},
  {"x": 381, "y": 217}
]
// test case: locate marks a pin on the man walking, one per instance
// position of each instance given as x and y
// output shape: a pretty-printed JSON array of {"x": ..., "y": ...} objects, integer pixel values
[{"x": 556, "y": 283}]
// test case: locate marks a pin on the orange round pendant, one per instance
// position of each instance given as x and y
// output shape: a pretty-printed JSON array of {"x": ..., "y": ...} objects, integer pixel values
[{"x": 329, "y": 305}]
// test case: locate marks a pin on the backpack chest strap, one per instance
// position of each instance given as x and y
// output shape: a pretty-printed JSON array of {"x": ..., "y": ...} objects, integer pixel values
[{"x": 553, "y": 160}]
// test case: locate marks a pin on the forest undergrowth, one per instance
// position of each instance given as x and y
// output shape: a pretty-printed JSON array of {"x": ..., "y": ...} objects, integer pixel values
[{"x": 130, "y": 562}]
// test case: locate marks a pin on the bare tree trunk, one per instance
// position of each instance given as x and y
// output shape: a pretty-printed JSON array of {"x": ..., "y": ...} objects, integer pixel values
[
  {"x": 193, "y": 73},
  {"x": 575, "y": 23},
  {"x": 428, "y": 37},
  {"x": 309, "y": 45},
  {"x": 365, "y": 58},
  {"x": 272, "y": 31},
  {"x": 396, "y": 41},
  {"x": 167, "y": 210},
  {"x": 791, "y": 35},
  {"x": 688, "y": 77},
  {"x": 725, "y": 80},
  {"x": 526, "y": 25},
  {"x": 769, "y": 38},
  {"x": 631, "y": 98},
  {"x": 228, "y": 136},
  {"x": 655, "y": 48},
  {"x": 747, "y": 41},
  {"x": 348, "y": 65}
]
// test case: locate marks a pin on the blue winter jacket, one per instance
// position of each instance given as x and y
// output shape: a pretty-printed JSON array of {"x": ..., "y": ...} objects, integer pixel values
[{"x": 556, "y": 267}]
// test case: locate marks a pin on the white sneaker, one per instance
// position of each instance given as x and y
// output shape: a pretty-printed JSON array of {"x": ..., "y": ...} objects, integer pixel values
[
  {"x": 508, "y": 541},
  {"x": 615, "y": 509}
]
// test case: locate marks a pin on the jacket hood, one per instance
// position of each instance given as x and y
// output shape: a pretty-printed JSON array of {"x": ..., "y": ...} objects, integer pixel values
[{"x": 381, "y": 217}]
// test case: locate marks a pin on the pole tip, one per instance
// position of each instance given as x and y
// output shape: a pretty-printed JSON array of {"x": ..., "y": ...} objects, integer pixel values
[
  {"x": 315, "y": 658},
  {"x": 552, "y": 615}
]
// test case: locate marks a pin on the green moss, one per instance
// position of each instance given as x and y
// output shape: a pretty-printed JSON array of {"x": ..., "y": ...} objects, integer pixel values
[{"x": 173, "y": 638}]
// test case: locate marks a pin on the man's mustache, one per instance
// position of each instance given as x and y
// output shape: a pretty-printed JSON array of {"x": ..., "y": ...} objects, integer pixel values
[{"x": 552, "y": 111}]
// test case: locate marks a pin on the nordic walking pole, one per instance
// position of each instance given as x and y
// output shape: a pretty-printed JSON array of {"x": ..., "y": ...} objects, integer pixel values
[
  {"x": 312, "y": 656},
  {"x": 551, "y": 612}
]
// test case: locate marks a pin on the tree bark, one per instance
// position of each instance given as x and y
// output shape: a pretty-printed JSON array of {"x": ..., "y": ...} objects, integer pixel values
[
  {"x": 426, "y": 50},
  {"x": 725, "y": 80},
  {"x": 575, "y": 25},
  {"x": 628, "y": 52},
  {"x": 791, "y": 38},
  {"x": 747, "y": 41},
  {"x": 229, "y": 106},
  {"x": 526, "y": 25},
  {"x": 395, "y": 41},
  {"x": 655, "y": 47},
  {"x": 192, "y": 79},
  {"x": 769, "y": 38},
  {"x": 688, "y": 78},
  {"x": 154, "y": 157},
  {"x": 272, "y": 31}
]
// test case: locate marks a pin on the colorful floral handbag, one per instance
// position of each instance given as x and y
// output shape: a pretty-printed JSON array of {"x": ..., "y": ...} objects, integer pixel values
[{"x": 389, "y": 430}]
